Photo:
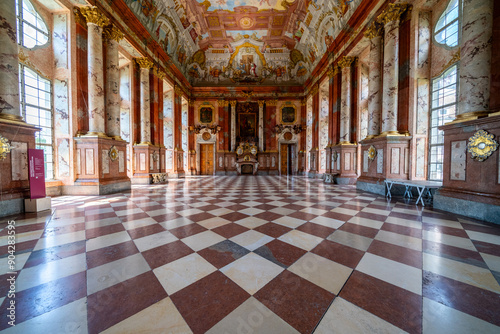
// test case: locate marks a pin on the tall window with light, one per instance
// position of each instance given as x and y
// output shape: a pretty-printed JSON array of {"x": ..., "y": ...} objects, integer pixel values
[
  {"x": 444, "y": 107},
  {"x": 36, "y": 108},
  {"x": 447, "y": 30},
  {"x": 35, "y": 91}
]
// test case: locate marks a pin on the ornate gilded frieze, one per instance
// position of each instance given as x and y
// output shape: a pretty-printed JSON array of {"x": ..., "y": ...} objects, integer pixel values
[
  {"x": 95, "y": 16},
  {"x": 482, "y": 145}
]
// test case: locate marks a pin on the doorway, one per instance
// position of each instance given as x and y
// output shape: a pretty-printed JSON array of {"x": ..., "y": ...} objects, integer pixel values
[
  {"x": 207, "y": 159},
  {"x": 287, "y": 157}
]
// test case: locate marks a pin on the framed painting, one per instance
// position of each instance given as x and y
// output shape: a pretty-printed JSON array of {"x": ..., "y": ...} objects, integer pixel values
[
  {"x": 288, "y": 114},
  {"x": 206, "y": 114},
  {"x": 247, "y": 125}
]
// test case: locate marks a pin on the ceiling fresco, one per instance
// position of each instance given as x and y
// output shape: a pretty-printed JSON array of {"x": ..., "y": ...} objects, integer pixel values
[{"x": 244, "y": 42}]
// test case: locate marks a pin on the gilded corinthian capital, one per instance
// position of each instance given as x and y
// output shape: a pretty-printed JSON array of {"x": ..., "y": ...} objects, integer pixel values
[
  {"x": 144, "y": 62},
  {"x": 374, "y": 30},
  {"x": 346, "y": 61},
  {"x": 113, "y": 33},
  {"x": 94, "y": 15},
  {"x": 392, "y": 12}
]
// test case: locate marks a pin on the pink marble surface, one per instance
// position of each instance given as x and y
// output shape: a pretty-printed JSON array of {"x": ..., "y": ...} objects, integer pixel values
[
  {"x": 145, "y": 107},
  {"x": 374, "y": 83},
  {"x": 9, "y": 69},
  {"x": 475, "y": 56},
  {"x": 95, "y": 79},
  {"x": 112, "y": 89},
  {"x": 345, "y": 105},
  {"x": 390, "y": 77}
]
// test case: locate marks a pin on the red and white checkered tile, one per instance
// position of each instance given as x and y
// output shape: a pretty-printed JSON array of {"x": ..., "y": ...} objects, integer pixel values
[{"x": 255, "y": 254}]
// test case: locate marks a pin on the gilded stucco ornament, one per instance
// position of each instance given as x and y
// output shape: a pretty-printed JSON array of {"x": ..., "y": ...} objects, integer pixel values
[
  {"x": 4, "y": 147},
  {"x": 482, "y": 145},
  {"x": 113, "y": 153},
  {"x": 372, "y": 152}
]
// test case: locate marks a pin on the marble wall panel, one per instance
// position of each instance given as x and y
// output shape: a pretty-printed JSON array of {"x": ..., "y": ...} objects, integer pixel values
[
  {"x": 458, "y": 160},
  {"x": 395, "y": 155},
  {"x": 105, "y": 161},
  {"x": 89, "y": 161},
  {"x": 347, "y": 161},
  {"x": 61, "y": 107},
  {"x": 407, "y": 160},
  {"x": 63, "y": 158},
  {"x": 125, "y": 103},
  {"x": 151, "y": 161},
  {"x": 19, "y": 161},
  {"x": 78, "y": 162},
  {"x": 420, "y": 161},
  {"x": 423, "y": 100},
  {"x": 142, "y": 161},
  {"x": 365, "y": 161},
  {"x": 169, "y": 160},
  {"x": 60, "y": 40},
  {"x": 121, "y": 161},
  {"x": 380, "y": 161},
  {"x": 168, "y": 120}
]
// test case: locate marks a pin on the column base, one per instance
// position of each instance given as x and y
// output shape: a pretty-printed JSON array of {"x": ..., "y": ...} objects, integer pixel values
[
  {"x": 376, "y": 186},
  {"x": 101, "y": 167},
  {"x": 344, "y": 156},
  {"x": 470, "y": 187}
]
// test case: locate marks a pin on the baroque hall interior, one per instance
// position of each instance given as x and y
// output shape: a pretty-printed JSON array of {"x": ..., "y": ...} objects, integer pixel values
[{"x": 130, "y": 97}]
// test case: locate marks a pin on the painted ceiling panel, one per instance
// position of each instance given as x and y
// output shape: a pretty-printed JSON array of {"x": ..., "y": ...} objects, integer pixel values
[{"x": 244, "y": 42}]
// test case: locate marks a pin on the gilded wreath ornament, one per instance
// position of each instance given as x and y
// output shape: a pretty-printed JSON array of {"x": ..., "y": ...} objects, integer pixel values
[
  {"x": 482, "y": 145},
  {"x": 4, "y": 147},
  {"x": 372, "y": 152},
  {"x": 113, "y": 153}
]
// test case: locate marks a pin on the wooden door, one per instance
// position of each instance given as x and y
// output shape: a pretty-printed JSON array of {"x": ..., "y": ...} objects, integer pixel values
[
  {"x": 207, "y": 159},
  {"x": 284, "y": 159}
]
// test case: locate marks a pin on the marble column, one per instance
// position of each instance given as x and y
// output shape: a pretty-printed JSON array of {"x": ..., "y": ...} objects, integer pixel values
[
  {"x": 345, "y": 104},
  {"x": 145, "y": 64},
  {"x": 374, "y": 34},
  {"x": 95, "y": 23},
  {"x": 390, "y": 19},
  {"x": 261, "y": 125},
  {"x": 9, "y": 62},
  {"x": 233, "y": 125},
  {"x": 113, "y": 36},
  {"x": 475, "y": 59}
]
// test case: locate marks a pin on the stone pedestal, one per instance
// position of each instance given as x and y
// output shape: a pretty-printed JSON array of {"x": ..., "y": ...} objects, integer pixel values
[
  {"x": 14, "y": 184},
  {"x": 391, "y": 162},
  {"x": 37, "y": 204},
  {"x": 97, "y": 171},
  {"x": 470, "y": 187},
  {"x": 178, "y": 163},
  {"x": 147, "y": 161},
  {"x": 344, "y": 157}
]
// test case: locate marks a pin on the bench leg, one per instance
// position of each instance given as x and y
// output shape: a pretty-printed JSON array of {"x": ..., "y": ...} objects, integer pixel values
[{"x": 420, "y": 192}]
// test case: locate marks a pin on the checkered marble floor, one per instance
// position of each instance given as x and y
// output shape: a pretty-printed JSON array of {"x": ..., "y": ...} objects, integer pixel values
[{"x": 256, "y": 254}]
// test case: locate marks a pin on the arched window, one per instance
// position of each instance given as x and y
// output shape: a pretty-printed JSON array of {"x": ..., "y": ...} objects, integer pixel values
[
  {"x": 31, "y": 29},
  {"x": 448, "y": 26},
  {"x": 36, "y": 107},
  {"x": 443, "y": 110}
]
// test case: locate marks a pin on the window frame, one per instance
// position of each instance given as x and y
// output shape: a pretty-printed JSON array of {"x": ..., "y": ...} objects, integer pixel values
[
  {"x": 459, "y": 30},
  {"x": 50, "y": 110},
  {"x": 433, "y": 109},
  {"x": 21, "y": 22}
]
